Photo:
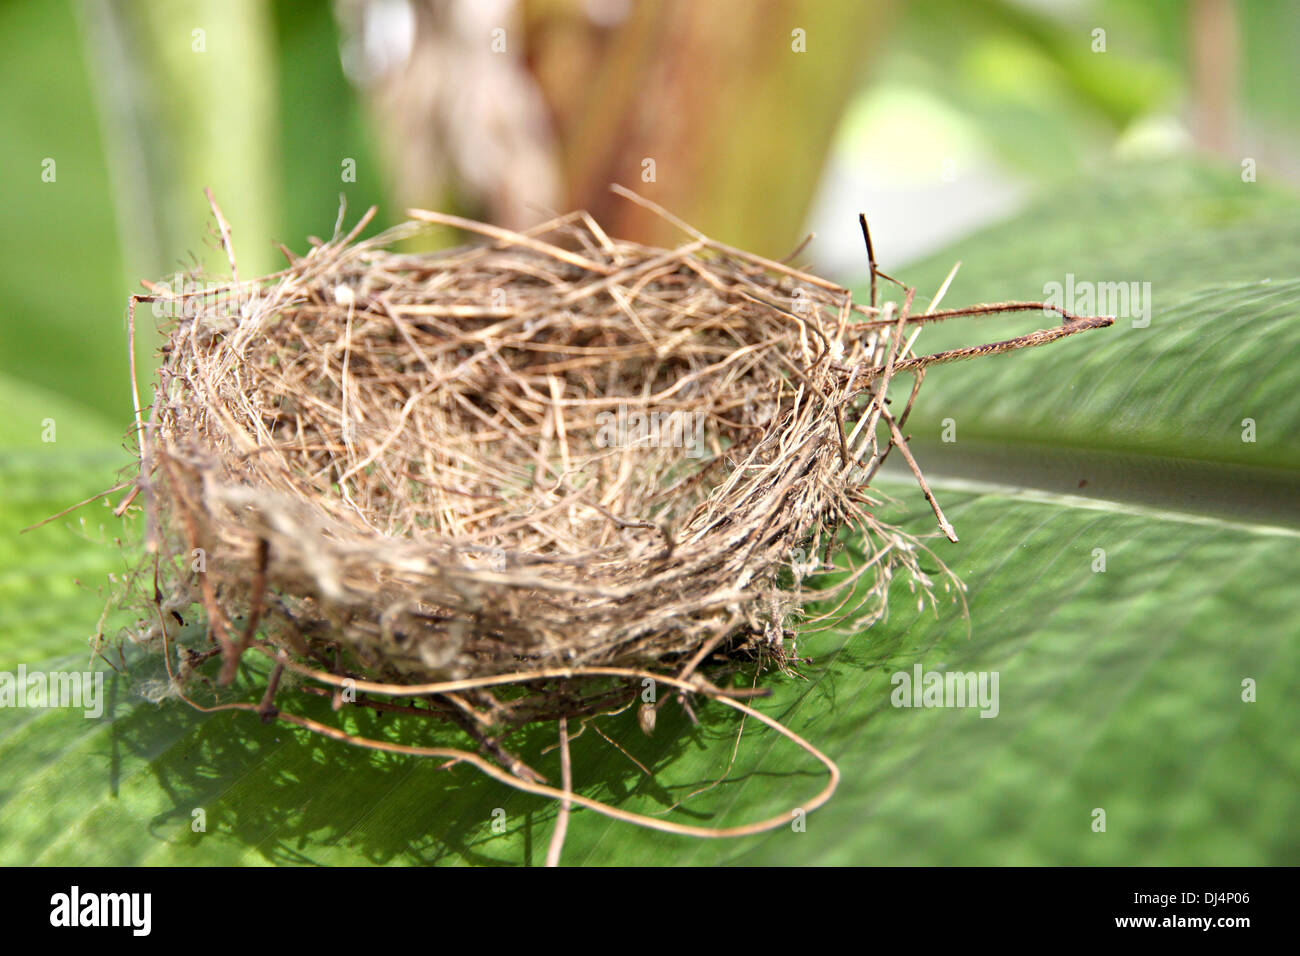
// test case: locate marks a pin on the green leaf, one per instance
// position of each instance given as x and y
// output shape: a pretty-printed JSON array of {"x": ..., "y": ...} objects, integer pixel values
[
  {"x": 1218, "y": 257},
  {"x": 1119, "y": 689},
  {"x": 32, "y": 417}
]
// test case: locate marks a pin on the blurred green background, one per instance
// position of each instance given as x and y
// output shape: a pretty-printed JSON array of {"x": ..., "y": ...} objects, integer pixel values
[
  {"x": 1113, "y": 139},
  {"x": 964, "y": 110}
]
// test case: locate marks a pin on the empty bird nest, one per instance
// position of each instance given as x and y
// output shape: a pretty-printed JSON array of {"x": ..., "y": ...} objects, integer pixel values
[{"x": 513, "y": 481}]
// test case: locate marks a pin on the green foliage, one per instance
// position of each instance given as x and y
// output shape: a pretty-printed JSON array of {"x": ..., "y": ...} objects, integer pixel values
[
  {"x": 1218, "y": 255},
  {"x": 139, "y": 116},
  {"x": 60, "y": 265}
]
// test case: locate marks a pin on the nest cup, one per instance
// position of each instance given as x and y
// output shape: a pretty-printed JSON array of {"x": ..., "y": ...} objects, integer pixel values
[
  {"x": 507, "y": 480},
  {"x": 554, "y": 451}
]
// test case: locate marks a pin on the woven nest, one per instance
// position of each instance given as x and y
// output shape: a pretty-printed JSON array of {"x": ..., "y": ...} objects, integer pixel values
[{"x": 509, "y": 476}]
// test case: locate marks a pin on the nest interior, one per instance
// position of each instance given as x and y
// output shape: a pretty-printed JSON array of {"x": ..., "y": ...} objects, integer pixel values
[{"x": 549, "y": 450}]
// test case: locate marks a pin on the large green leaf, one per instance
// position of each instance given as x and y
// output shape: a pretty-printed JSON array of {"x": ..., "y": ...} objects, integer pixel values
[
  {"x": 1219, "y": 255},
  {"x": 1120, "y": 689}
]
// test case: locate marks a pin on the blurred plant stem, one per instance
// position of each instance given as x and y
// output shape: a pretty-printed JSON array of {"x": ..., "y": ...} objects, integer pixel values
[
  {"x": 1214, "y": 38},
  {"x": 723, "y": 112},
  {"x": 186, "y": 93}
]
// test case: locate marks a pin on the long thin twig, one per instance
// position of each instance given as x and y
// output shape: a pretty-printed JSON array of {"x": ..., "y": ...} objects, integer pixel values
[{"x": 566, "y": 781}]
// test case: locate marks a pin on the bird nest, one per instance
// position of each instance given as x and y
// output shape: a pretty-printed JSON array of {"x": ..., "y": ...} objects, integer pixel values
[{"x": 510, "y": 482}]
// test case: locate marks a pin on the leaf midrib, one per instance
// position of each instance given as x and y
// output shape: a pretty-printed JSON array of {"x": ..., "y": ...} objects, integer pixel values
[{"x": 1256, "y": 497}]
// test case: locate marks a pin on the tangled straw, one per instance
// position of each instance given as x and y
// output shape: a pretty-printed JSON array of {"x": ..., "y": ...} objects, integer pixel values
[{"x": 511, "y": 481}]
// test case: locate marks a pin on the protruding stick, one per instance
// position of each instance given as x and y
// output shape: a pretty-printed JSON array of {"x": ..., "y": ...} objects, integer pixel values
[
  {"x": 566, "y": 781},
  {"x": 901, "y": 442},
  {"x": 871, "y": 255}
]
